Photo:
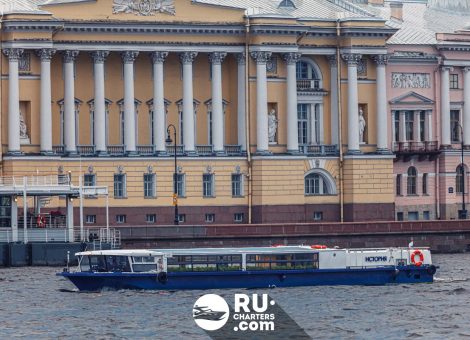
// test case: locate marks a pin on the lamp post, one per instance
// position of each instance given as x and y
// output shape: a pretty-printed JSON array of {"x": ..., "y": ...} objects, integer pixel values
[
  {"x": 463, "y": 211},
  {"x": 175, "y": 174}
]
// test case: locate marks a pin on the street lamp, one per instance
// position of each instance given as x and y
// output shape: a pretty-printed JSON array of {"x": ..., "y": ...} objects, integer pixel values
[
  {"x": 175, "y": 175},
  {"x": 463, "y": 211}
]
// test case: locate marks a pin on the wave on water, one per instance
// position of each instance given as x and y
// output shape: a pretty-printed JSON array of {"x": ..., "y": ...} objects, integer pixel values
[{"x": 450, "y": 279}]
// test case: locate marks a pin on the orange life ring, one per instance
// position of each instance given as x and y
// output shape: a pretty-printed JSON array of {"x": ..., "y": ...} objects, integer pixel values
[
  {"x": 318, "y": 246},
  {"x": 41, "y": 221},
  {"x": 413, "y": 258}
]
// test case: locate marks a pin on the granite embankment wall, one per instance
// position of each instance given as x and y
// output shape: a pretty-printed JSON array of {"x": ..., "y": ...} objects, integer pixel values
[{"x": 440, "y": 236}]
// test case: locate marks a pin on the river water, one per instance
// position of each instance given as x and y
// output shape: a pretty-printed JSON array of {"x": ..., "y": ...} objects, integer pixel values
[{"x": 34, "y": 304}]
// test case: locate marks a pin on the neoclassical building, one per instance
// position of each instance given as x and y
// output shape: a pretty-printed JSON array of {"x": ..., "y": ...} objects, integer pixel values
[{"x": 289, "y": 111}]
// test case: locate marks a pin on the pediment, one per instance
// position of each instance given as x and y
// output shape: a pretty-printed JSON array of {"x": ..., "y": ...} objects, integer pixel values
[
  {"x": 411, "y": 98},
  {"x": 142, "y": 10}
]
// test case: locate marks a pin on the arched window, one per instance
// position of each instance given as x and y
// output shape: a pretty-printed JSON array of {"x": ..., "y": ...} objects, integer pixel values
[
  {"x": 308, "y": 77},
  {"x": 319, "y": 182},
  {"x": 411, "y": 181},
  {"x": 460, "y": 179}
]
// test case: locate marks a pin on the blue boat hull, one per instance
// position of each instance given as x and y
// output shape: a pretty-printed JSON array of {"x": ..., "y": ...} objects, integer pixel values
[{"x": 93, "y": 281}]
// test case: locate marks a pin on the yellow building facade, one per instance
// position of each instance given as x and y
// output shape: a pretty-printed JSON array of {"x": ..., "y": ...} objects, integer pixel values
[{"x": 277, "y": 118}]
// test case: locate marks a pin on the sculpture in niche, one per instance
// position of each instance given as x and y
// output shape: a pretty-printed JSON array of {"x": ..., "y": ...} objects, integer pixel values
[
  {"x": 23, "y": 128},
  {"x": 144, "y": 7},
  {"x": 362, "y": 125},
  {"x": 272, "y": 126}
]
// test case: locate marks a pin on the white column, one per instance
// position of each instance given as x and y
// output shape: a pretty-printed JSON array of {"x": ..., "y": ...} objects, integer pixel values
[
  {"x": 99, "y": 129},
  {"x": 292, "y": 128},
  {"x": 262, "y": 139},
  {"x": 321, "y": 139},
  {"x": 241, "y": 79},
  {"x": 216, "y": 60},
  {"x": 159, "y": 112},
  {"x": 46, "y": 99},
  {"x": 14, "y": 219},
  {"x": 13, "y": 55},
  {"x": 402, "y": 133},
  {"x": 187, "y": 59},
  {"x": 416, "y": 126},
  {"x": 445, "y": 107},
  {"x": 313, "y": 129},
  {"x": 69, "y": 102},
  {"x": 353, "y": 108},
  {"x": 69, "y": 218},
  {"x": 466, "y": 107},
  {"x": 428, "y": 126},
  {"x": 334, "y": 99},
  {"x": 382, "y": 120},
  {"x": 128, "y": 58}
]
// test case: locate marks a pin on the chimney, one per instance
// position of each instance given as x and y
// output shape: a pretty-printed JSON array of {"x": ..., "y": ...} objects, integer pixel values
[
  {"x": 396, "y": 10},
  {"x": 376, "y": 2}
]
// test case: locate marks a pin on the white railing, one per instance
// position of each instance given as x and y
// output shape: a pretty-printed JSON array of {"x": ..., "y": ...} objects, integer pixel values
[
  {"x": 36, "y": 235},
  {"x": 34, "y": 181}
]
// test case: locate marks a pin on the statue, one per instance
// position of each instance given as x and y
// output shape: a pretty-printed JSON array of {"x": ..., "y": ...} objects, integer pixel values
[
  {"x": 362, "y": 125},
  {"x": 272, "y": 126},
  {"x": 23, "y": 128}
]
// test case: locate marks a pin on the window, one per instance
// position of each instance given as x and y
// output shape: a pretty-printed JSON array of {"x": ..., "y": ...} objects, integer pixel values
[
  {"x": 119, "y": 185},
  {"x": 454, "y": 81},
  {"x": 181, "y": 120},
  {"x": 182, "y": 218},
  {"x": 409, "y": 120},
  {"x": 150, "y": 218},
  {"x": 210, "y": 218},
  {"x": 411, "y": 181},
  {"x": 91, "y": 104},
  {"x": 90, "y": 219},
  {"x": 426, "y": 215},
  {"x": 89, "y": 180},
  {"x": 315, "y": 184},
  {"x": 180, "y": 184},
  {"x": 396, "y": 122},
  {"x": 149, "y": 186},
  {"x": 307, "y": 77},
  {"x": 455, "y": 126},
  {"x": 208, "y": 185},
  {"x": 122, "y": 120},
  {"x": 238, "y": 217},
  {"x": 413, "y": 216},
  {"x": 400, "y": 216},
  {"x": 460, "y": 179},
  {"x": 302, "y": 122},
  {"x": 318, "y": 216},
  {"x": 62, "y": 121},
  {"x": 422, "y": 125},
  {"x": 398, "y": 185},
  {"x": 237, "y": 187},
  {"x": 287, "y": 3},
  {"x": 121, "y": 218},
  {"x": 425, "y": 184}
]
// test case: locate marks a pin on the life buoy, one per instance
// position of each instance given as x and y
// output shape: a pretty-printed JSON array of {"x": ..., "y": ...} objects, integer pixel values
[
  {"x": 41, "y": 221},
  {"x": 318, "y": 246},
  {"x": 413, "y": 258}
]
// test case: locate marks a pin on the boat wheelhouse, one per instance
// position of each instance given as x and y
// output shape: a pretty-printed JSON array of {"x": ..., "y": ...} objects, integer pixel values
[{"x": 257, "y": 267}]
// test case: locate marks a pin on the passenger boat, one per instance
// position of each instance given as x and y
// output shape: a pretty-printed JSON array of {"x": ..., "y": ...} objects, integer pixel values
[{"x": 260, "y": 267}]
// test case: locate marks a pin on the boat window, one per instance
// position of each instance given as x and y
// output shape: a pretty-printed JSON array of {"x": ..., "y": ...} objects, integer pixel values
[
  {"x": 117, "y": 263},
  {"x": 85, "y": 264},
  {"x": 98, "y": 264},
  {"x": 205, "y": 263},
  {"x": 143, "y": 259},
  {"x": 282, "y": 261}
]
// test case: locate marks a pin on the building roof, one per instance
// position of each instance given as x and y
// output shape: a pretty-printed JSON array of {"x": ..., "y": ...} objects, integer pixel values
[
  {"x": 312, "y": 9},
  {"x": 420, "y": 22},
  {"x": 20, "y": 6}
]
